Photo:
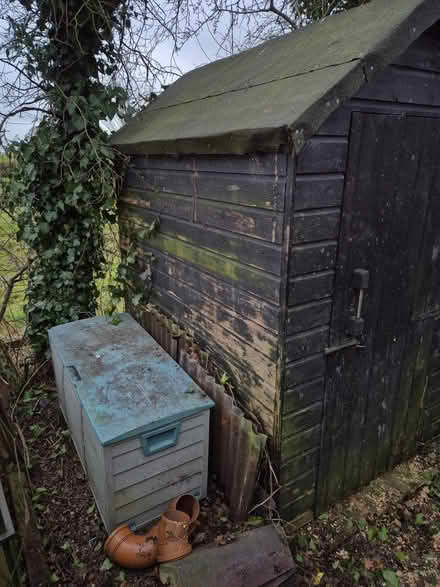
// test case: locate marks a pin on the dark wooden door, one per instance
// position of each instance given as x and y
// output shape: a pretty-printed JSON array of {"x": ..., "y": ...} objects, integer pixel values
[{"x": 390, "y": 229}]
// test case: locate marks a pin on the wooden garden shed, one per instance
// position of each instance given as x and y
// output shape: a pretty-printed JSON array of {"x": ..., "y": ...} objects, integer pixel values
[{"x": 298, "y": 190}]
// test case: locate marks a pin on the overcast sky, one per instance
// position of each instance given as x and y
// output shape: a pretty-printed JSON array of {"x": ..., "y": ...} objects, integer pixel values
[{"x": 193, "y": 54}]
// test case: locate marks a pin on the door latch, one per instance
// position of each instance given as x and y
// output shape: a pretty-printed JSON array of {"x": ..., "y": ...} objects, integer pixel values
[{"x": 360, "y": 281}]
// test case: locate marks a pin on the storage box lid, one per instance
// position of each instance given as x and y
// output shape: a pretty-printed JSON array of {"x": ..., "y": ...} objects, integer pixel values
[{"x": 126, "y": 382}]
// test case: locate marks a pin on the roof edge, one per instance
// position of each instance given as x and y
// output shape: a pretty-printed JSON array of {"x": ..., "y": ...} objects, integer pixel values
[{"x": 364, "y": 71}]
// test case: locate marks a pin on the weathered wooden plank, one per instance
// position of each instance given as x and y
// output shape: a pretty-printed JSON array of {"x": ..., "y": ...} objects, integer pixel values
[
  {"x": 160, "y": 181},
  {"x": 242, "y": 302},
  {"x": 343, "y": 404},
  {"x": 300, "y": 508},
  {"x": 323, "y": 155},
  {"x": 300, "y": 443},
  {"x": 404, "y": 248},
  {"x": 295, "y": 467},
  {"x": 254, "y": 164},
  {"x": 297, "y": 488},
  {"x": 435, "y": 361},
  {"x": 303, "y": 420},
  {"x": 246, "y": 190},
  {"x": 247, "y": 278},
  {"x": 304, "y": 395},
  {"x": 252, "y": 222},
  {"x": 308, "y": 316},
  {"x": 431, "y": 428},
  {"x": 249, "y": 332},
  {"x": 158, "y": 162},
  {"x": 428, "y": 279},
  {"x": 313, "y": 257},
  {"x": 381, "y": 107},
  {"x": 318, "y": 191},
  {"x": 432, "y": 413},
  {"x": 404, "y": 85},
  {"x": 315, "y": 226},
  {"x": 306, "y": 343},
  {"x": 249, "y": 358},
  {"x": 422, "y": 54},
  {"x": 307, "y": 288},
  {"x": 230, "y": 354},
  {"x": 161, "y": 203},
  {"x": 261, "y": 191},
  {"x": 436, "y": 338},
  {"x": 434, "y": 380},
  {"x": 265, "y": 256},
  {"x": 305, "y": 370},
  {"x": 338, "y": 124}
]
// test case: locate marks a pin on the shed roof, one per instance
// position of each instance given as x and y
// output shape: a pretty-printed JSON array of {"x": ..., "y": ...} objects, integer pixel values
[{"x": 283, "y": 88}]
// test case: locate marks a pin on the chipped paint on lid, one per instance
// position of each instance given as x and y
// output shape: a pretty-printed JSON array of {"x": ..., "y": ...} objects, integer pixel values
[{"x": 125, "y": 380}]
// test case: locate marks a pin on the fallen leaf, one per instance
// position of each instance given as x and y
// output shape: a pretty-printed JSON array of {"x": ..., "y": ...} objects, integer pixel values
[
  {"x": 383, "y": 534},
  {"x": 390, "y": 577},
  {"x": 401, "y": 556},
  {"x": 317, "y": 578},
  {"x": 106, "y": 565},
  {"x": 373, "y": 564}
]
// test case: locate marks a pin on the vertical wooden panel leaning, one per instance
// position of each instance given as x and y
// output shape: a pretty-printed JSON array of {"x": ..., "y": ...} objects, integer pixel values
[{"x": 235, "y": 448}]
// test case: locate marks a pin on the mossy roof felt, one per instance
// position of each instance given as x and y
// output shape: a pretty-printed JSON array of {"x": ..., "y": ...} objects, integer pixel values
[{"x": 283, "y": 89}]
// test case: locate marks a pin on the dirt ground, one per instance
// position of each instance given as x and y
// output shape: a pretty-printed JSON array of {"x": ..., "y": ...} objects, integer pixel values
[
  {"x": 394, "y": 545},
  {"x": 391, "y": 543},
  {"x": 67, "y": 517}
]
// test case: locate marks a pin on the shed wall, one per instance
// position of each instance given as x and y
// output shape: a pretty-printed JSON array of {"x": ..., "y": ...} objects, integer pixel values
[
  {"x": 410, "y": 86},
  {"x": 218, "y": 258}
]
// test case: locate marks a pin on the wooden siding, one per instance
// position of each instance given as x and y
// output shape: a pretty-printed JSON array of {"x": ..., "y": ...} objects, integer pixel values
[
  {"x": 410, "y": 86},
  {"x": 218, "y": 258}
]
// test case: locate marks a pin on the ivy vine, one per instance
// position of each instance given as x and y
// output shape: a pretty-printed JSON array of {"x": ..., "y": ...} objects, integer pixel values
[{"x": 66, "y": 177}]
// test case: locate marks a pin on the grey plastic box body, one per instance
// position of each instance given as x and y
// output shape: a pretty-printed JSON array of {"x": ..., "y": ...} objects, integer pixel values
[{"x": 139, "y": 423}]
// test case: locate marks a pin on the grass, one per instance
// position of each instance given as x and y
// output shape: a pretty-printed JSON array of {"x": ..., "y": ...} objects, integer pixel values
[{"x": 13, "y": 257}]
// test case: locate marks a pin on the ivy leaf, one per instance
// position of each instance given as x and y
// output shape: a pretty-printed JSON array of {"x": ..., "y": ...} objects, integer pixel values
[
  {"x": 71, "y": 107},
  {"x": 383, "y": 534},
  {"x": 106, "y": 565},
  {"x": 136, "y": 299},
  {"x": 390, "y": 577},
  {"x": 401, "y": 556}
]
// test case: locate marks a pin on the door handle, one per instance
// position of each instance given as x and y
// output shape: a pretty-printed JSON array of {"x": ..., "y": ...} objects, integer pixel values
[{"x": 360, "y": 282}]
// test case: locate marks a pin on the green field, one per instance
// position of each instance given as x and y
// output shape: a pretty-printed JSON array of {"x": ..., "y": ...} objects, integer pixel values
[{"x": 13, "y": 257}]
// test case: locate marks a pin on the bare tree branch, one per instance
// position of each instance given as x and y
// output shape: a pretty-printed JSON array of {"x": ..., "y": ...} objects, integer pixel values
[{"x": 10, "y": 287}]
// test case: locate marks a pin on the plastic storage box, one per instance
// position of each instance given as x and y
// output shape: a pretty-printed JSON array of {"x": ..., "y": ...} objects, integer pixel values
[{"x": 139, "y": 423}]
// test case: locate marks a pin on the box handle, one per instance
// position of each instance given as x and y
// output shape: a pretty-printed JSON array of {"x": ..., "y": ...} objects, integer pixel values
[
  {"x": 74, "y": 373},
  {"x": 160, "y": 439}
]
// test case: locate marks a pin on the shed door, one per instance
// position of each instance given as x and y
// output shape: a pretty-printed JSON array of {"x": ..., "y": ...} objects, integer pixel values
[{"x": 387, "y": 296}]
